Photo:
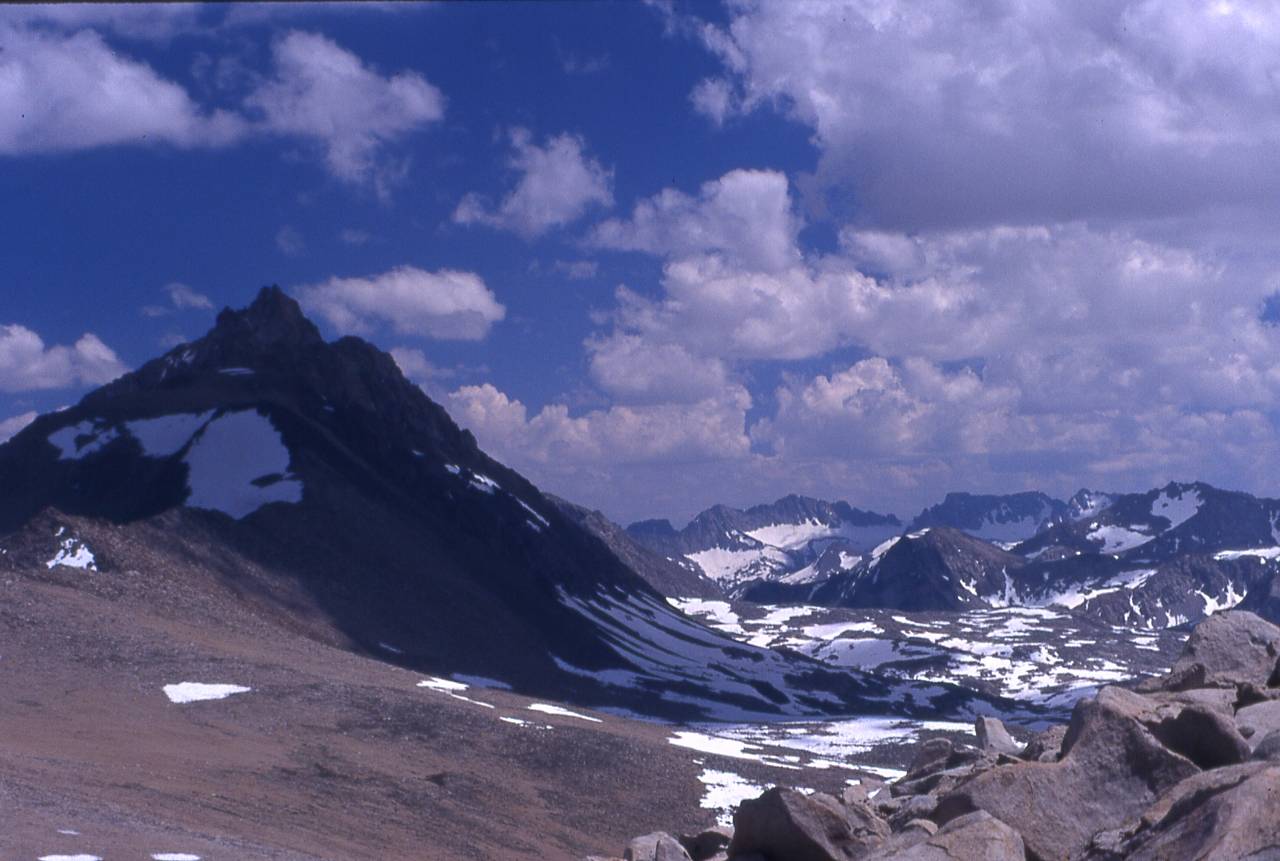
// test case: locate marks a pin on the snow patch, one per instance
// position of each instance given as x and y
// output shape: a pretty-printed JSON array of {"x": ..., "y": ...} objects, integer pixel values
[
  {"x": 724, "y": 792},
  {"x": 1117, "y": 539},
  {"x": 73, "y": 553},
  {"x": 81, "y": 440},
  {"x": 1176, "y": 509},
  {"x": 1259, "y": 552},
  {"x": 727, "y": 566},
  {"x": 166, "y": 435},
  {"x": 545, "y": 708},
  {"x": 484, "y": 483},
  {"x": 451, "y": 688},
  {"x": 527, "y": 507},
  {"x": 190, "y": 692},
  {"x": 238, "y": 464}
]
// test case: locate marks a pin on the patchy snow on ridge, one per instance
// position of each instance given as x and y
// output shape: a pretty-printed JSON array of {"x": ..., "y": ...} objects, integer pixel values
[
  {"x": 730, "y": 566},
  {"x": 484, "y": 483},
  {"x": 1259, "y": 552},
  {"x": 81, "y": 440},
  {"x": 1117, "y": 539},
  {"x": 166, "y": 435},
  {"x": 794, "y": 537},
  {"x": 73, "y": 553},
  {"x": 1176, "y": 509},
  {"x": 174, "y": 856},
  {"x": 664, "y": 647},
  {"x": 190, "y": 692},
  {"x": 238, "y": 464},
  {"x": 453, "y": 689},
  {"x": 549, "y": 709},
  {"x": 1073, "y": 595}
]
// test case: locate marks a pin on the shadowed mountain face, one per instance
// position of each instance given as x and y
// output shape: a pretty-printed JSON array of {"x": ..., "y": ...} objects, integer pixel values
[
  {"x": 319, "y": 483},
  {"x": 1009, "y": 518}
]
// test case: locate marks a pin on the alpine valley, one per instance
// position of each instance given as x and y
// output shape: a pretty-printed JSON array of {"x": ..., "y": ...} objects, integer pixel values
[{"x": 263, "y": 598}]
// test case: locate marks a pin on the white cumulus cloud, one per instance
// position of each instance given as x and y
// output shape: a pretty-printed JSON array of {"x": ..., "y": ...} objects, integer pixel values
[
  {"x": 65, "y": 92},
  {"x": 322, "y": 92},
  {"x": 445, "y": 304},
  {"x": 558, "y": 182},
  {"x": 27, "y": 363},
  {"x": 554, "y": 441},
  {"x": 12, "y": 425},
  {"x": 952, "y": 113}
]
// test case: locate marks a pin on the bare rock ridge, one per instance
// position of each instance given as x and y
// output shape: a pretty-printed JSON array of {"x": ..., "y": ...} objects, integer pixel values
[
  {"x": 1187, "y": 766},
  {"x": 332, "y": 494}
]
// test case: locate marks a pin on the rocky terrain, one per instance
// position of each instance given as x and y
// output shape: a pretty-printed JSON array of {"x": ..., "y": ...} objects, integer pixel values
[{"x": 1184, "y": 765}]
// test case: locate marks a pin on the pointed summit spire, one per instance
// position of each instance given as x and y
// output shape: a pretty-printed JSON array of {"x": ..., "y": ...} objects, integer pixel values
[{"x": 274, "y": 318}]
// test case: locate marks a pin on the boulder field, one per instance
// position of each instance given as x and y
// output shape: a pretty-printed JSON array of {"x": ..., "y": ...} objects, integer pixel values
[{"x": 1185, "y": 765}]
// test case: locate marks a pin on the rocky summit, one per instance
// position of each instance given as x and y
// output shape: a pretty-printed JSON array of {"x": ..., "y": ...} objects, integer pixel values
[{"x": 1184, "y": 765}]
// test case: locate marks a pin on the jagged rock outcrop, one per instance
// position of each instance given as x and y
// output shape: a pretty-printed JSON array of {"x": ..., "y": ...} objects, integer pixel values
[{"x": 1186, "y": 767}]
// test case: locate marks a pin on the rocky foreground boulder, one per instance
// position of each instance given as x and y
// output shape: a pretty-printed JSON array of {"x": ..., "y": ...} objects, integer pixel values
[{"x": 1186, "y": 765}]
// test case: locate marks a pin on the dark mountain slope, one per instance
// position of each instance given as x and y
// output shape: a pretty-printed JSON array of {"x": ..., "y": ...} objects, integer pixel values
[
  {"x": 667, "y": 575},
  {"x": 321, "y": 467}
]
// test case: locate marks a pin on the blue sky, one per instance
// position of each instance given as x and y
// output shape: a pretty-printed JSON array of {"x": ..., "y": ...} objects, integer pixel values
[{"x": 659, "y": 256}]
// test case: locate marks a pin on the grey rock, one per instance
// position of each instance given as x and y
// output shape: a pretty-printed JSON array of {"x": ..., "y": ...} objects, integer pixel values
[
  {"x": 1268, "y": 750},
  {"x": 1112, "y": 770},
  {"x": 1258, "y": 721},
  {"x": 1228, "y": 649},
  {"x": 866, "y": 790},
  {"x": 944, "y": 781},
  {"x": 993, "y": 737},
  {"x": 1208, "y": 738},
  {"x": 976, "y": 836},
  {"x": 658, "y": 846},
  {"x": 1221, "y": 817},
  {"x": 928, "y": 826},
  {"x": 930, "y": 755},
  {"x": 708, "y": 843},
  {"x": 915, "y": 807},
  {"x": 1045, "y": 746},
  {"x": 785, "y": 824},
  {"x": 1222, "y": 700}
]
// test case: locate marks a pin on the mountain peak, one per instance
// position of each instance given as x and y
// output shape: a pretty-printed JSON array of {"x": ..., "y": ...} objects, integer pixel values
[{"x": 273, "y": 318}]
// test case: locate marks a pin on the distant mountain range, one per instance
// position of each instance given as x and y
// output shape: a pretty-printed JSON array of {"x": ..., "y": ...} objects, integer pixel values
[{"x": 1157, "y": 559}]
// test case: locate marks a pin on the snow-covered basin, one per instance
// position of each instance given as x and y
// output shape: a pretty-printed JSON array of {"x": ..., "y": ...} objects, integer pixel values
[{"x": 793, "y": 749}]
